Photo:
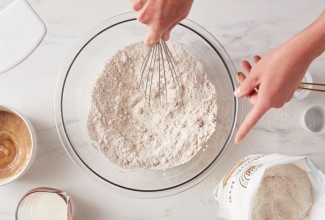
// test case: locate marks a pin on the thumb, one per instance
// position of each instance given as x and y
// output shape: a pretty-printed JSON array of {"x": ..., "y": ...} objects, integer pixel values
[
  {"x": 251, "y": 119},
  {"x": 247, "y": 86}
]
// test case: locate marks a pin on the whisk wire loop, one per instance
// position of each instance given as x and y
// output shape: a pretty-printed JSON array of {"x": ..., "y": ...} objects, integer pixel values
[
  {"x": 171, "y": 63},
  {"x": 151, "y": 69},
  {"x": 161, "y": 67},
  {"x": 159, "y": 59}
]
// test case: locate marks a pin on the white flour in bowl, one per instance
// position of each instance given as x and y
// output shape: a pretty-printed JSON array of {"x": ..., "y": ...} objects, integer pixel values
[{"x": 132, "y": 135}]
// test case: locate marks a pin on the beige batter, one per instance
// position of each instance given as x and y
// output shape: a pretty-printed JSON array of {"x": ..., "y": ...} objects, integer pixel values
[{"x": 15, "y": 144}]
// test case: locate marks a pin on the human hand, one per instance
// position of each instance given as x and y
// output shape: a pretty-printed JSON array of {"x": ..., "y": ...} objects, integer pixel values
[
  {"x": 274, "y": 78},
  {"x": 270, "y": 83},
  {"x": 161, "y": 16}
]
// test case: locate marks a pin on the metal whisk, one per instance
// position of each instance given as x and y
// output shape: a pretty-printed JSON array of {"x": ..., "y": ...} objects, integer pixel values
[{"x": 159, "y": 79}]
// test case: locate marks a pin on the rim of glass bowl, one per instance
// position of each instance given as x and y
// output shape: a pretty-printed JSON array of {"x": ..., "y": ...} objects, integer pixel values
[{"x": 105, "y": 25}]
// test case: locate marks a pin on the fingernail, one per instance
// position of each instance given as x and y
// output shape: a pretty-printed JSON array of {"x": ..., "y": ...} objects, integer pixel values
[
  {"x": 237, "y": 78},
  {"x": 237, "y": 91},
  {"x": 237, "y": 139}
]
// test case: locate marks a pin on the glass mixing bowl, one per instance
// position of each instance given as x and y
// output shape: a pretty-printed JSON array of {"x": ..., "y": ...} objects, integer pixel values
[{"x": 73, "y": 97}]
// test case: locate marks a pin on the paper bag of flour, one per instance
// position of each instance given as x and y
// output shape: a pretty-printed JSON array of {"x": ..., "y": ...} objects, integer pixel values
[{"x": 237, "y": 191}]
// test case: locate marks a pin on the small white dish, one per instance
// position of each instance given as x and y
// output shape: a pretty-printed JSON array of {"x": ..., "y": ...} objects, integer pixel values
[
  {"x": 302, "y": 93},
  {"x": 312, "y": 119},
  {"x": 32, "y": 151},
  {"x": 44, "y": 203}
]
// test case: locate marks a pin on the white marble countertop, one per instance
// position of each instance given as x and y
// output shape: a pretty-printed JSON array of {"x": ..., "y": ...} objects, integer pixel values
[{"x": 244, "y": 28}]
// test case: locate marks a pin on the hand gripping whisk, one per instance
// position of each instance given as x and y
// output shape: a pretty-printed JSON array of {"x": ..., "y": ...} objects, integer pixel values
[{"x": 159, "y": 81}]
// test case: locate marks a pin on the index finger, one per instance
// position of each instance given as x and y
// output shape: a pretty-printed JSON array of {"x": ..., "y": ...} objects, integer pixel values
[
  {"x": 153, "y": 36},
  {"x": 250, "y": 121}
]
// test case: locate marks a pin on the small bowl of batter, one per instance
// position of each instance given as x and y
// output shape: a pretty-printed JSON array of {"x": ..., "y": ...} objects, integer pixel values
[{"x": 18, "y": 144}]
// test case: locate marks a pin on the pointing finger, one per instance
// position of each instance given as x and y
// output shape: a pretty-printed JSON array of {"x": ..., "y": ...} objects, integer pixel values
[{"x": 251, "y": 119}]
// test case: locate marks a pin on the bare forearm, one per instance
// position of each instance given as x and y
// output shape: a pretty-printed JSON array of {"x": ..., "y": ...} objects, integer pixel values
[
  {"x": 310, "y": 42},
  {"x": 278, "y": 74},
  {"x": 319, "y": 32}
]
